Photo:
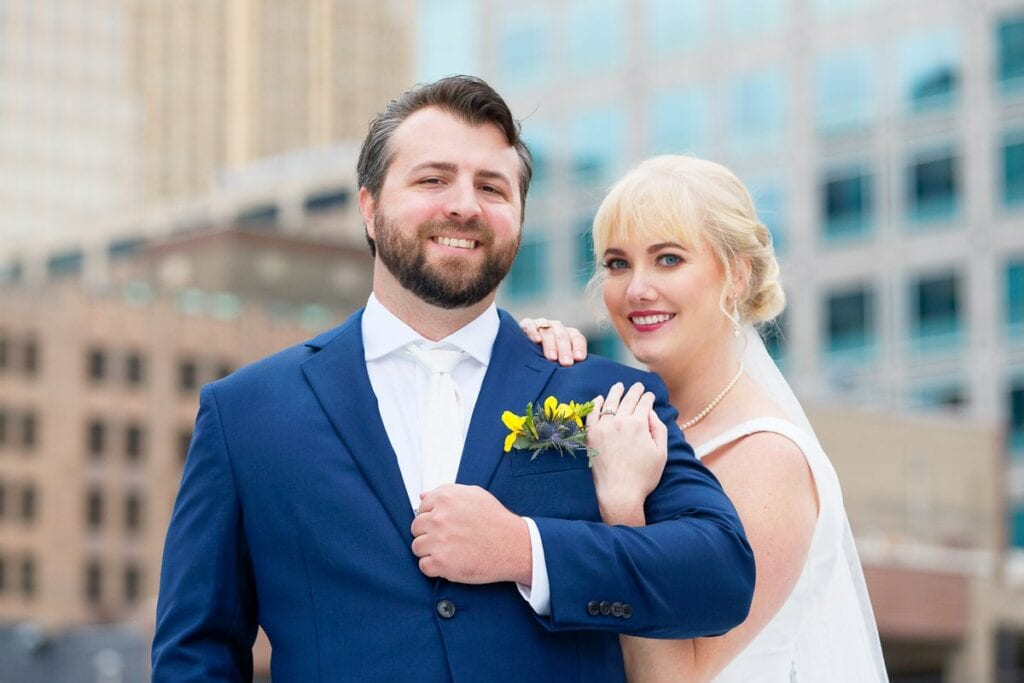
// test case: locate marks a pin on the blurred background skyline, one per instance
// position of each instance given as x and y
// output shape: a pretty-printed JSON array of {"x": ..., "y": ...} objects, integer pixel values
[{"x": 177, "y": 198}]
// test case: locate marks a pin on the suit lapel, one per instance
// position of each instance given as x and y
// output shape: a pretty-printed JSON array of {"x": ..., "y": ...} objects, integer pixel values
[
  {"x": 340, "y": 381},
  {"x": 516, "y": 374}
]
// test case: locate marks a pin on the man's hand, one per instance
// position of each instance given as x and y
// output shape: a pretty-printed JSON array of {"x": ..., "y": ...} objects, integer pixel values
[{"x": 463, "y": 534}]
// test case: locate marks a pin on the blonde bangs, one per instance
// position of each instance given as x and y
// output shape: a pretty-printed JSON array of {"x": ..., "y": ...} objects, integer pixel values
[{"x": 649, "y": 204}]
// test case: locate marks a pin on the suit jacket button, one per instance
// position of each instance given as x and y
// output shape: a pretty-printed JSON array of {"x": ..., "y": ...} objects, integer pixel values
[
  {"x": 616, "y": 609},
  {"x": 627, "y": 610},
  {"x": 606, "y": 607},
  {"x": 445, "y": 609},
  {"x": 593, "y": 609}
]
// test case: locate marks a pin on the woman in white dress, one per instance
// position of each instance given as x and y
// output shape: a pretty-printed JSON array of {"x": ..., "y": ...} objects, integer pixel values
[{"x": 686, "y": 269}]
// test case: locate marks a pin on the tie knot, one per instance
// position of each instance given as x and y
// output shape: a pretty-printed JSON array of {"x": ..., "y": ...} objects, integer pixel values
[{"x": 436, "y": 361}]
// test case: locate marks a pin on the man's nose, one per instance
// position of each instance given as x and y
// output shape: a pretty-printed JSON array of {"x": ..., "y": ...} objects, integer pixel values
[{"x": 461, "y": 202}]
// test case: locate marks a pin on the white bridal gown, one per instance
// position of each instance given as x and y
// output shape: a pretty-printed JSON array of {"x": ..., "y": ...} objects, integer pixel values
[{"x": 825, "y": 630}]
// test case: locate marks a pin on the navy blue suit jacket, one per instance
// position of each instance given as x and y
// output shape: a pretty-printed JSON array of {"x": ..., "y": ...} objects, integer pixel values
[{"x": 292, "y": 515}]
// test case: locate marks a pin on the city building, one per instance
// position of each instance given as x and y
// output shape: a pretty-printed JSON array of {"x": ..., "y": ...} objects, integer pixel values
[
  {"x": 111, "y": 107},
  {"x": 883, "y": 143}
]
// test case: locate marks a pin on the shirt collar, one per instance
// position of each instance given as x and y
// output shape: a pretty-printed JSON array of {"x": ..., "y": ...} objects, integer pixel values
[{"x": 384, "y": 333}]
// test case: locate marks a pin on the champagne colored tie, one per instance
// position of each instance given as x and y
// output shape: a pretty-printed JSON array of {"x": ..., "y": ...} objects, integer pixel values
[{"x": 441, "y": 429}]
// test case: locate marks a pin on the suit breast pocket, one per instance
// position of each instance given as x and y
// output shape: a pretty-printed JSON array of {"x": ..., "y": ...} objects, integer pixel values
[{"x": 521, "y": 464}]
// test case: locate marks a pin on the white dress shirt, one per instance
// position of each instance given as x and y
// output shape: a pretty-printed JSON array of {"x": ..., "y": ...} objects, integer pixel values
[{"x": 400, "y": 383}]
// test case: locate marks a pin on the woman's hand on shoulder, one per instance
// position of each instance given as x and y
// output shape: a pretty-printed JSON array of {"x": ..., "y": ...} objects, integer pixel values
[
  {"x": 560, "y": 342},
  {"x": 632, "y": 448}
]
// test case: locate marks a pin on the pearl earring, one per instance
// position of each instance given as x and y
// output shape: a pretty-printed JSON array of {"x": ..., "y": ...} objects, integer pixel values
[{"x": 736, "y": 328}]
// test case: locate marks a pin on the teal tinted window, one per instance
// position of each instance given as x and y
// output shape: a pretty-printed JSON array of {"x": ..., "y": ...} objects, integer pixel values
[
  {"x": 846, "y": 203},
  {"x": 1015, "y": 293},
  {"x": 930, "y": 69},
  {"x": 845, "y": 91},
  {"x": 448, "y": 38},
  {"x": 605, "y": 343},
  {"x": 1017, "y": 526},
  {"x": 757, "y": 105},
  {"x": 675, "y": 26},
  {"x": 597, "y": 34},
  {"x": 744, "y": 18},
  {"x": 1015, "y": 418},
  {"x": 539, "y": 139},
  {"x": 947, "y": 395},
  {"x": 679, "y": 122},
  {"x": 850, "y": 320},
  {"x": 933, "y": 186},
  {"x": 1010, "y": 50},
  {"x": 936, "y": 307},
  {"x": 65, "y": 263},
  {"x": 1013, "y": 169},
  {"x": 528, "y": 277},
  {"x": 524, "y": 50},
  {"x": 597, "y": 145},
  {"x": 584, "y": 248}
]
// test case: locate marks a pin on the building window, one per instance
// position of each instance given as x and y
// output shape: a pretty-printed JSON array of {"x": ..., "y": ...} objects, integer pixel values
[
  {"x": 184, "y": 442},
  {"x": 1014, "y": 296},
  {"x": 96, "y": 365},
  {"x": 846, "y": 203},
  {"x": 1017, "y": 529},
  {"x": 134, "y": 442},
  {"x": 528, "y": 277},
  {"x": 1013, "y": 169},
  {"x": 770, "y": 200},
  {"x": 1015, "y": 418},
  {"x": 96, "y": 437},
  {"x": 188, "y": 376},
  {"x": 65, "y": 264},
  {"x": 744, "y": 18},
  {"x": 28, "y": 503},
  {"x": 850, "y": 320},
  {"x": 439, "y": 55},
  {"x": 597, "y": 145},
  {"x": 604, "y": 343},
  {"x": 133, "y": 512},
  {"x": 946, "y": 395},
  {"x": 845, "y": 91},
  {"x": 134, "y": 369},
  {"x": 28, "y": 577},
  {"x": 29, "y": 431},
  {"x": 539, "y": 139},
  {"x": 523, "y": 50},
  {"x": 132, "y": 584},
  {"x": 936, "y": 303},
  {"x": 31, "y": 357},
  {"x": 597, "y": 35},
  {"x": 678, "y": 122},
  {"x": 757, "y": 106},
  {"x": 676, "y": 26},
  {"x": 94, "y": 509},
  {"x": 1010, "y": 38},
  {"x": 930, "y": 69},
  {"x": 93, "y": 582},
  {"x": 933, "y": 186}
]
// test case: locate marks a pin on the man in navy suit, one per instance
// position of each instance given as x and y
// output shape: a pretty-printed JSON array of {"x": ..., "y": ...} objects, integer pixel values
[{"x": 303, "y": 506}]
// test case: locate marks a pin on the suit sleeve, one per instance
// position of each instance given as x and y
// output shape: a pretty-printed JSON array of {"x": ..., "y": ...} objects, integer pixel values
[
  {"x": 688, "y": 573},
  {"x": 206, "y": 612}
]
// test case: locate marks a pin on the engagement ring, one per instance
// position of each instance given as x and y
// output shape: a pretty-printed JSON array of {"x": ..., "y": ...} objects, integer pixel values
[
  {"x": 543, "y": 323},
  {"x": 607, "y": 411}
]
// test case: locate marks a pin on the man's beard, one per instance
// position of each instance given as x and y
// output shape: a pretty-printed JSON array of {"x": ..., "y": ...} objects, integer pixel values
[{"x": 448, "y": 282}]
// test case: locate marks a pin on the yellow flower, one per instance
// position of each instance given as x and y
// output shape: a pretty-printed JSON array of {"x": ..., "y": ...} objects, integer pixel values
[
  {"x": 553, "y": 410},
  {"x": 516, "y": 425}
]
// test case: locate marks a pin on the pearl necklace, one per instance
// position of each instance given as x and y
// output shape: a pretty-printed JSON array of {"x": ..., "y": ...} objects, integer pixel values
[{"x": 714, "y": 402}]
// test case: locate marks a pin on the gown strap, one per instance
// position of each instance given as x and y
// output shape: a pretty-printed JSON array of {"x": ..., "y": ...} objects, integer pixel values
[{"x": 761, "y": 424}]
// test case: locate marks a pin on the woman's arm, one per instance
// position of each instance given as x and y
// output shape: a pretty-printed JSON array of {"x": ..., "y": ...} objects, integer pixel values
[{"x": 769, "y": 482}]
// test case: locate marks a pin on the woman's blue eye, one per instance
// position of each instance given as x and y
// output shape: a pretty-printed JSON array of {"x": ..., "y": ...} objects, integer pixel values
[
  {"x": 670, "y": 259},
  {"x": 615, "y": 264}
]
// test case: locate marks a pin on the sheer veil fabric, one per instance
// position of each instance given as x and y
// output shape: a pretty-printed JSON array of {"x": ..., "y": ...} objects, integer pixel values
[{"x": 826, "y": 630}]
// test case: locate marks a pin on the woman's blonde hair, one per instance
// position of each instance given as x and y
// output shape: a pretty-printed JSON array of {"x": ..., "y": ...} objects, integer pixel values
[{"x": 684, "y": 199}]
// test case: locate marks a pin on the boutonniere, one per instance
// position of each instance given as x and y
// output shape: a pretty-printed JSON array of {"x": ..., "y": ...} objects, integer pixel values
[{"x": 557, "y": 426}]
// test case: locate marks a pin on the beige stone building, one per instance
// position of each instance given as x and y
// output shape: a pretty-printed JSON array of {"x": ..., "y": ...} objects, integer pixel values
[{"x": 110, "y": 106}]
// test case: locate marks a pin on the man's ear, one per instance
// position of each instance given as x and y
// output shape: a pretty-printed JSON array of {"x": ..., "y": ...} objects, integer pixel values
[{"x": 368, "y": 209}]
